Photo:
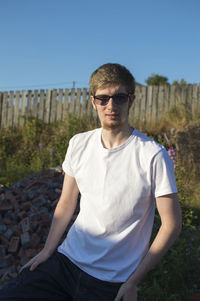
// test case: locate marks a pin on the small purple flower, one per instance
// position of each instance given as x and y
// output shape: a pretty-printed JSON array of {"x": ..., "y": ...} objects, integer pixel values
[
  {"x": 51, "y": 150},
  {"x": 172, "y": 155},
  {"x": 40, "y": 145}
]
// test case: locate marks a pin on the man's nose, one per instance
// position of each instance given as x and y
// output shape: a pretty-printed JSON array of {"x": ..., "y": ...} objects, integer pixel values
[{"x": 111, "y": 103}]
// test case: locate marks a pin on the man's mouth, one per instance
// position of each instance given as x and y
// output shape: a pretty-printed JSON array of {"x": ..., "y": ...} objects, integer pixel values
[{"x": 112, "y": 116}]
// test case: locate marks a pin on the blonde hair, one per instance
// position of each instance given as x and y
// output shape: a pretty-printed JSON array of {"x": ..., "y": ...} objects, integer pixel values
[{"x": 112, "y": 74}]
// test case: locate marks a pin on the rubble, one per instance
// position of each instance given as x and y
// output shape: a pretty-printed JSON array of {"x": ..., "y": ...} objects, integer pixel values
[{"x": 26, "y": 211}]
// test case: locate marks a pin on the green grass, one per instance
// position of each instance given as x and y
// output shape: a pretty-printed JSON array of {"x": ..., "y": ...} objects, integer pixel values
[
  {"x": 39, "y": 146},
  {"x": 36, "y": 147}
]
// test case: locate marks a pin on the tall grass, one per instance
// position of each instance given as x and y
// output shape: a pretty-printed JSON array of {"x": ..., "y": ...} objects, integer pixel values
[
  {"x": 36, "y": 147},
  {"x": 177, "y": 117}
]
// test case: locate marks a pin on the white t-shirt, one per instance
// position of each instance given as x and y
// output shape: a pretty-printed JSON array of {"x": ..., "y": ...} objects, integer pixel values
[{"x": 118, "y": 189}]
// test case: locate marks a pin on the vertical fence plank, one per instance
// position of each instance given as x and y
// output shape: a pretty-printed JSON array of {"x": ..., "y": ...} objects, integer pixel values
[
  {"x": 72, "y": 101},
  {"x": 16, "y": 110},
  {"x": 183, "y": 92},
  {"x": 59, "y": 105},
  {"x": 135, "y": 110},
  {"x": 189, "y": 101},
  {"x": 47, "y": 107},
  {"x": 166, "y": 98},
  {"x": 149, "y": 103},
  {"x": 10, "y": 109},
  {"x": 172, "y": 96},
  {"x": 1, "y": 105},
  {"x": 78, "y": 103},
  {"x": 198, "y": 99},
  {"x": 160, "y": 103},
  {"x": 29, "y": 104},
  {"x": 178, "y": 99},
  {"x": 23, "y": 110},
  {"x": 194, "y": 100},
  {"x": 53, "y": 106},
  {"x": 41, "y": 107},
  {"x": 143, "y": 104},
  {"x": 65, "y": 104},
  {"x": 84, "y": 102},
  {"x": 4, "y": 109},
  {"x": 35, "y": 104},
  {"x": 154, "y": 115}
]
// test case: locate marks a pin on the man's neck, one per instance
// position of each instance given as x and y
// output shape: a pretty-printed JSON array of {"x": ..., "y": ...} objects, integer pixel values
[{"x": 112, "y": 138}]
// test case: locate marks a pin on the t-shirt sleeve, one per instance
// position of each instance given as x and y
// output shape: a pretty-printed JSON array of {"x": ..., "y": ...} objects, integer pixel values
[
  {"x": 66, "y": 166},
  {"x": 163, "y": 177}
]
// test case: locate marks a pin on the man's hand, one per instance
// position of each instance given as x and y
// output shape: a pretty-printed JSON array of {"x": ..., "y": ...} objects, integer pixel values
[
  {"x": 127, "y": 292},
  {"x": 35, "y": 261}
]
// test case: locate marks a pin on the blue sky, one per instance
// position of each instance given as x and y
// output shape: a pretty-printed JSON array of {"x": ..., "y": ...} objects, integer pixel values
[{"x": 51, "y": 43}]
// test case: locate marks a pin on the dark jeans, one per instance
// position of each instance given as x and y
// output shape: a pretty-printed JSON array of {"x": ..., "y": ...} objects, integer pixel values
[{"x": 58, "y": 279}]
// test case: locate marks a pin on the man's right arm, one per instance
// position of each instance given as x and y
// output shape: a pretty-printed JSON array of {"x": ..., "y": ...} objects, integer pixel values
[{"x": 62, "y": 216}]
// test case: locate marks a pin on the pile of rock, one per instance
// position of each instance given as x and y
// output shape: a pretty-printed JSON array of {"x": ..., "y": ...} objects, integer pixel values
[{"x": 26, "y": 211}]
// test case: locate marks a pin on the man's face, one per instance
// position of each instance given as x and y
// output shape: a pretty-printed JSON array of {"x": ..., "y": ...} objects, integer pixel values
[{"x": 113, "y": 115}]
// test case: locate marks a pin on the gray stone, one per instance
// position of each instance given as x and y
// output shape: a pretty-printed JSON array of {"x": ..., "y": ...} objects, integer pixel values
[
  {"x": 2, "y": 251},
  {"x": 39, "y": 202},
  {"x": 25, "y": 239},
  {"x": 8, "y": 234},
  {"x": 3, "y": 228},
  {"x": 6, "y": 261}
]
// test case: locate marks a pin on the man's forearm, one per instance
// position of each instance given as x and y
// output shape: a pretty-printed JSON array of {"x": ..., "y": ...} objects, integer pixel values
[
  {"x": 161, "y": 244},
  {"x": 159, "y": 247},
  {"x": 61, "y": 219}
]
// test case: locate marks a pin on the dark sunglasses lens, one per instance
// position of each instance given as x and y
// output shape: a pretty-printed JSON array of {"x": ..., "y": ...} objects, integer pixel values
[
  {"x": 120, "y": 98},
  {"x": 102, "y": 100}
]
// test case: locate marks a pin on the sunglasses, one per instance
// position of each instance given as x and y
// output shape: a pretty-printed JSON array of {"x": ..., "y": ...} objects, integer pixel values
[{"x": 118, "y": 99}]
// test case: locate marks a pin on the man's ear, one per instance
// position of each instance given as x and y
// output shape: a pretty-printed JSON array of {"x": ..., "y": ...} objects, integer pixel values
[
  {"x": 92, "y": 101},
  {"x": 131, "y": 100}
]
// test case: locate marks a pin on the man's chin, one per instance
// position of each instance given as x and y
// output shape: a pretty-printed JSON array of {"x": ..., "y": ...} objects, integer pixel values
[{"x": 111, "y": 125}]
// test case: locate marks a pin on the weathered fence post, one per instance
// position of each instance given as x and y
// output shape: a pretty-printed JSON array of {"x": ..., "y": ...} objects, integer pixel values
[
  {"x": 47, "y": 107},
  {"x": 84, "y": 102},
  {"x": 4, "y": 109},
  {"x": 59, "y": 105},
  {"x": 29, "y": 104},
  {"x": 149, "y": 103},
  {"x": 10, "y": 109},
  {"x": 41, "y": 106},
  {"x": 78, "y": 102},
  {"x": 72, "y": 103},
  {"x": 65, "y": 104},
  {"x": 23, "y": 110},
  {"x": 1, "y": 104},
  {"x": 35, "y": 104},
  {"x": 53, "y": 106}
]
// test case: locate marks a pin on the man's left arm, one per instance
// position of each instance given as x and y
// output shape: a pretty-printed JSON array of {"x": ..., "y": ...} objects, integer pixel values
[{"x": 171, "y": 221}]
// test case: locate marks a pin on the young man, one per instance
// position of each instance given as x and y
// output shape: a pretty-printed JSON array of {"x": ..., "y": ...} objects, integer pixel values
[{"x": 121, "y": 174}]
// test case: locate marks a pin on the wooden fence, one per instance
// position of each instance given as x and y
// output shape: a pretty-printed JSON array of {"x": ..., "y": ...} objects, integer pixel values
[{"x": 151, "y": 103}]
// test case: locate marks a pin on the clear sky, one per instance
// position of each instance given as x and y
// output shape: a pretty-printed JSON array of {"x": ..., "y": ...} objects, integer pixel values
[{"x": 51, "y": 43}]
